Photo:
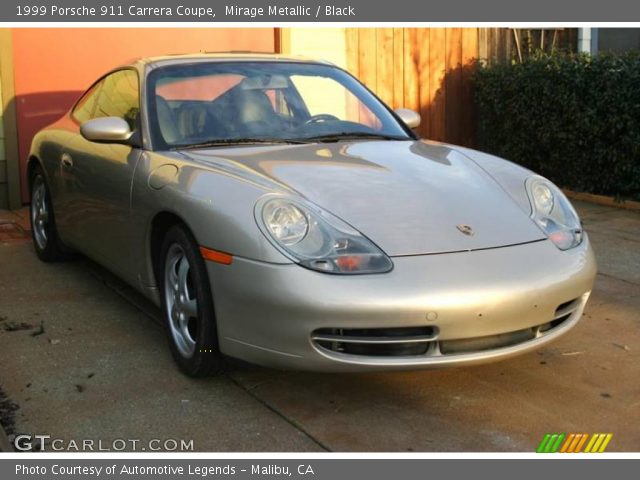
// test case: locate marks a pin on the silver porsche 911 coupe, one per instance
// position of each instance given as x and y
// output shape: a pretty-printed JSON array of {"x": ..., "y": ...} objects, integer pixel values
[{"x": 280, "y": 213}]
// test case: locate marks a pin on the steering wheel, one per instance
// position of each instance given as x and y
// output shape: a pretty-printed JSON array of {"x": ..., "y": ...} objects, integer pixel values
[{"x": 321, "y": 117}]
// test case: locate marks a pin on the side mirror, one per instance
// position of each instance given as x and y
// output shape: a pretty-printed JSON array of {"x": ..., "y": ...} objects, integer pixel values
[
  {"x": 106, "y": 130},
  {"x": 410, "y": 118}
]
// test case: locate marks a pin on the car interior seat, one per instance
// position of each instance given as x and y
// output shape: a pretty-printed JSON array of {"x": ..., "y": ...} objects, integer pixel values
[
  {"x": 167, "y": 121},
  {"x": 254, "y": 114}
]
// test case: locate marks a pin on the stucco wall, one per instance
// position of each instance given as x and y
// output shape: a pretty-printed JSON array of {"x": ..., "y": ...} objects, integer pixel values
[
  {"x": 320, "y": 43},
  {"x": 4, "y": 196}
]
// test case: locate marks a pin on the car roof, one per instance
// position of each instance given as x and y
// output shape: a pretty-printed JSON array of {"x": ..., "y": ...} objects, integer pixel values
[{"x": 236, "y": 56}]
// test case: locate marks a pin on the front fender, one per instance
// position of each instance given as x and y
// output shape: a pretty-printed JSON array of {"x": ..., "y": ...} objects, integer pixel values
[
  {"x": 510, "y": 176},
  {"x": 216, "y": 206}
]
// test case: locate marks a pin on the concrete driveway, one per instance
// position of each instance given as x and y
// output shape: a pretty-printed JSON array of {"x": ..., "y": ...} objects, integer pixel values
[{"x": 81, "y": 356}]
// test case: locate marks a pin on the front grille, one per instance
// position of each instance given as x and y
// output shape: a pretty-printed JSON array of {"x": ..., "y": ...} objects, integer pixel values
[
  {"x": 423, "y": 341},
  {"x": 490, "y": 342},
  {"x": 376, "y": 342},
  {"x": 567, "y": 307}
]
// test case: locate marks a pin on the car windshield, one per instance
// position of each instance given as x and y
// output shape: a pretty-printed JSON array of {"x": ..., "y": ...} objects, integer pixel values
[{"x": 221, "y": 103}]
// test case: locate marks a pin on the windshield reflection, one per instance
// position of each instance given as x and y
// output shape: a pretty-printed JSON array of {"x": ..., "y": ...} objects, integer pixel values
[{"x": 208, "y": 104}]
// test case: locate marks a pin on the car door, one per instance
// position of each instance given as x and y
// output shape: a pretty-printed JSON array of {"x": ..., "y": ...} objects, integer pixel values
[
  {"x": 58, "y": 159},
  {"x": 101, "y": 177}
]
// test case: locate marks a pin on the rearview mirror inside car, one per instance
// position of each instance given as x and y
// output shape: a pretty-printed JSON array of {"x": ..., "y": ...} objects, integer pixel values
[{"x": 264, "y": 82}]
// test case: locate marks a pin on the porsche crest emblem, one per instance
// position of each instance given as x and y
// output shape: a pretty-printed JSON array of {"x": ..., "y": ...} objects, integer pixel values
[{"x": 466, "y": 229}]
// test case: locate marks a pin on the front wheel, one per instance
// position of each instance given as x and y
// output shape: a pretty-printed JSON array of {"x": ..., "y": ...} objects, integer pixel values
[
  {"x": 43, "y": 225},
  {"x": 188, "y": 305}
]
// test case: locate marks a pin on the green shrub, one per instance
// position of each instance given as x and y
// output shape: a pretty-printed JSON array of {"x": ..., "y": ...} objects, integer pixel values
[{"x": 572, "y": 118}]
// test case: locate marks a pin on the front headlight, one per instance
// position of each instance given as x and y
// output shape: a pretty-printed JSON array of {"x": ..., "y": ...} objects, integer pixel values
[
  {"x": 318, "y": 240},
  {"x": 553, "y": 213}
]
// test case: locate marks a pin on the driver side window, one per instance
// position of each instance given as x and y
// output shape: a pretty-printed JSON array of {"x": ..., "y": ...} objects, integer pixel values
[
  {"x": 119, "y": 97},
  {"x": 116, "y": 95},
  {"x": 83, "y": 111}
]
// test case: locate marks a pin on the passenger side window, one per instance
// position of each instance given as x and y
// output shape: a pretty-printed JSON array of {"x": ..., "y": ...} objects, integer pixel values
[
  {"x": 83, "y": 110},
  {"x": 119, "y": 97}
]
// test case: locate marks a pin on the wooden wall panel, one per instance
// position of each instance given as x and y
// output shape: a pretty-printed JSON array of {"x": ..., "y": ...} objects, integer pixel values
[
  {"x": 367, "y": 57},
  {"x": 425, "y": 96},
  {"x": 436, "y": 70},
  {"x": 385, "y": 64},
  {"x": 453, "y": 85},
  {"x": 469, "y": 56},
  {"x": 427, "y": 69},
  {"x": 410, "y": 73},
  {"x": 398, "y": 58}
]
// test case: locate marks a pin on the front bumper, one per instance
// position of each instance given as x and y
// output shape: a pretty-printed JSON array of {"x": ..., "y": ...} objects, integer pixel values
[{"x": 474, "y": 306}]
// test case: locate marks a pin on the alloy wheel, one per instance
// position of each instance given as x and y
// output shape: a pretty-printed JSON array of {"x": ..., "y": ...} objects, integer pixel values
[
  {"x": 181, "y": 303},
  {"x": 39, "y": 212}
]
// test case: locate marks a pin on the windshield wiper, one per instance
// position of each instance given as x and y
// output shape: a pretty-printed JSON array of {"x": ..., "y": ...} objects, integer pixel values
[
  {"x": 238, "y": 141},
  {"x": 336, "y": 137}
]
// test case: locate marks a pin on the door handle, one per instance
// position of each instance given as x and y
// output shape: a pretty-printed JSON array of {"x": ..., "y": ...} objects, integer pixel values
[{"x": 67, "y": 161}]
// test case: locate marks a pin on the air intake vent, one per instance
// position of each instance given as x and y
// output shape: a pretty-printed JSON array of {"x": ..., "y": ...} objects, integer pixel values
[{"x": 376, "y": 341}]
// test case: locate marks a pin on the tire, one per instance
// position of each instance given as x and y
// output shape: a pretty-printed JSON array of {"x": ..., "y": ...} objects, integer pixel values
[
  {"x": 187, "y": 305},
  {"x": 44, "y": 234}
]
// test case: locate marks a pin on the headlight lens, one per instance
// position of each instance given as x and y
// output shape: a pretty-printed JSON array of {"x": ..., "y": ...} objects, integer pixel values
[
  {"x": 553, "y": 213},
  {"x": 543, "y": 197},
  {"x": 285, "y": 222},
  {"x": 318, "y": 240}
]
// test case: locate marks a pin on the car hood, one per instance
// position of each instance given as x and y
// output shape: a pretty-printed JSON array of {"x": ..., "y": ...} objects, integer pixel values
[{"x": 408, "y": 197}]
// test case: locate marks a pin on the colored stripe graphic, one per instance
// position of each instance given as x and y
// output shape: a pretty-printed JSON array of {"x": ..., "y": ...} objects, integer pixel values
[
  {"x": 556, "y": 445},
  {"x": 543, "y": 443},
  {"x": 605, "y": 442},
  {"x": 574, "y": 442},
  {"x": 576, "y": 439},
  {"x": 552, "y": 440},
  {"x": 598, "y": 443},
  {"x": 590, "y": 444},
  {"x": 599, "y": 440},
  {"x": 581, "y": 443},
  {"x": 567, "y": 442}
]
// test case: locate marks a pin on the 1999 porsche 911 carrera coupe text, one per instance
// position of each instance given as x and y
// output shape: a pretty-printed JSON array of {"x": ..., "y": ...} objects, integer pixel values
[{"x": 282, "y": 214}]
